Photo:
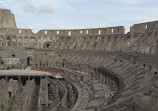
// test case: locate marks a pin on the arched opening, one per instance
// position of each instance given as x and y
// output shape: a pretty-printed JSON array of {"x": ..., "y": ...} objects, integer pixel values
[
  {"x": 29, "y": 61},
  {"x": 10, "y": 94},
  {"x": 155, "y": 73},
  {"x": 150, "y": 67},
  {"x": 144, "y": 65},
  {"x": 13, "y": 55},
  {"x": 47, "y": 45},
  {"x": 62, "y": 64},
  {"x": 40, "y": 63},
  {"x": 115, "y": 60}
]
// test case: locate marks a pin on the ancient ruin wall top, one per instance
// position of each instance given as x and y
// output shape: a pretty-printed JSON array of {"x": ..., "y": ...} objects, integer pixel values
[{"x": 7, "y": 19}]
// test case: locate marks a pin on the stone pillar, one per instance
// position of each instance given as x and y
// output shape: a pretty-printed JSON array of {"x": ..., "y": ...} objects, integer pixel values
[
  {"x": 19, "y": 78},
  {"x": 46, "y": 91},
  {"x": 6, "y": 78},
  {"x": 28, "y": 77}
]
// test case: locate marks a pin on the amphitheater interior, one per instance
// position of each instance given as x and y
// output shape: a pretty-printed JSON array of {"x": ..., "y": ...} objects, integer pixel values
[{"x": 99, "y": 69}]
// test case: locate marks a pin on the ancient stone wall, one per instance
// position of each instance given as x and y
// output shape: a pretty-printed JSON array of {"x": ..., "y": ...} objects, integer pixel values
[
  {"x": 101, "y": 39},
  {"x": 7, "y": 19},
  {"x": 133, "y": 76},
  {"x": 25, "y": 97}
]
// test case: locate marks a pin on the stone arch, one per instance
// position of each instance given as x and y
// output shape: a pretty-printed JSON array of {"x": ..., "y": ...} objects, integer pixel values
[
  {"x": 29, "y": 61},
  {"x": 20, "y": 41},
  {"x": 32, "y": 42},
  {"x": 8, "y": 41},
  {"x": 13, "y": 41},
  {"x": 25, "y": 41},
  {"x": 2, "y": 40},
  {"x": 47, "y": 44}
]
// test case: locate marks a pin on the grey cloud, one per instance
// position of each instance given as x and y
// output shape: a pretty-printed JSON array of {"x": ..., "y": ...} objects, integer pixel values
[{"x": 38, "y": 10}]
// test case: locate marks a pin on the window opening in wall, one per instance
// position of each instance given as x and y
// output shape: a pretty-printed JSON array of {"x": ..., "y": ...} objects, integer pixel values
[
  {"x": 69, "y": 33},
  {"x": 57, "y": 32},
  {"x": 121, "y": 61},
  {"x": 99, "y": 32},
  {"x": 95, "y": 69},
  {"x": 112, "y": 30},
  {"x": 155, "y": 73},
  {"x": 13, "y": 55},
  {"x": 146, "y": 26},
  {"x": 62, "y": 64},
  {"x": 20, "y": 31},
  {"x": 45, "y": 32},
  {"x": 81, "y": 31},
  {"x": 10, "y": 94},
  {"x": 48, "y": 45},
  {"x": 150, "y": 67},
  {"x": 115, "y": 60},
  {"x": 29, "y": 61},
  {"x": 144, "y": 65},
  {"x": 86, "y": 31},
  {"x": 40, "y": 63}
]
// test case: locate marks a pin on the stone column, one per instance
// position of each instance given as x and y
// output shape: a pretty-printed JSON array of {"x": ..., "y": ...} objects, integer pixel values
[
  {"x": 19, "y": 78},
  {"x": 28, "y": 77},
  {"x": 46, "y": 91},
  {"x": 6, "y": 78}
]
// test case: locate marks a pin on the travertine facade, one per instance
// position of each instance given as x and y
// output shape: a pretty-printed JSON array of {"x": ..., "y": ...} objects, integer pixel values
[{"x": 101, "y": 69}]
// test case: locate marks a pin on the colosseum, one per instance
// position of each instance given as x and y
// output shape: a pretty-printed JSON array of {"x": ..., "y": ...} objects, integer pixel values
[{"x": 99, "y": 69}]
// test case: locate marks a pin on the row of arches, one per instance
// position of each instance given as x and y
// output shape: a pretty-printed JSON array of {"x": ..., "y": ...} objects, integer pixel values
[{"x": 17, "y": 41}]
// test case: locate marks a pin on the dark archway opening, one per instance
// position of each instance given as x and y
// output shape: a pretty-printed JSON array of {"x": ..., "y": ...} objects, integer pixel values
[
  {"x": 144, "y": 65},
  {"x": 150, "y": 67},
  {"x": 23, "y": 80},
  {"x": 48, "y": 45},
  {"x": 29, "y": 61},
  {"x": 37, "y": 80},
  {"x": 10, "y": 94},
  {"x": 155, "y": 73},
  {"x": 62, "y": 64}
]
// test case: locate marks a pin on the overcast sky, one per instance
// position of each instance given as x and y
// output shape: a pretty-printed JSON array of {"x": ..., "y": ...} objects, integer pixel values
[{"x": 74, "y": 14}]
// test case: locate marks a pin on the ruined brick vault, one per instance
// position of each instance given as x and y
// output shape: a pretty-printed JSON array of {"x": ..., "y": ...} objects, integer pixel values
[{"x": 99, "y": 69}]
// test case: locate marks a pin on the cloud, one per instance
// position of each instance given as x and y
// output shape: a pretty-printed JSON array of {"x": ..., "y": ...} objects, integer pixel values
[
  {"x": 40, "y": 6},
  {"x": 45, "y": 6},
  {"x": 36, "y": 6},
  {"x": 5, "y": 2}
]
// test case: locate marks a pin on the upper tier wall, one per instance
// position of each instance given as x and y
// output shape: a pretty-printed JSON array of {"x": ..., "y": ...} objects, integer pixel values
[
  {"x": 77, "y": 32},
  {"x": 143, "y": 27},
  {"x": 16, "y": 31}
]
